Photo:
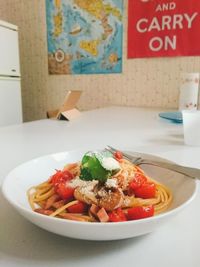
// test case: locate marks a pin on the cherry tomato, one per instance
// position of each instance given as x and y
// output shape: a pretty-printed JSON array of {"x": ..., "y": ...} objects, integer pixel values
[
  {"x": 117, "y": 216},
  {"x": 118, "y": 155},
  {"x": 138, "y": 180},
  {"x": 60, "y": 181},
  {"x": 140, "y": 212},
  {"x": 146, "y": 190},
  {"x": 61, "y": 177},
  {"x": 64, "y": 190},
  {"x": 80, "y": 207}
]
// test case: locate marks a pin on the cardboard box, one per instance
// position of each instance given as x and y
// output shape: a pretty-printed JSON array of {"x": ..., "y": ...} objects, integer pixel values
[{"x": 68, "y": 110}]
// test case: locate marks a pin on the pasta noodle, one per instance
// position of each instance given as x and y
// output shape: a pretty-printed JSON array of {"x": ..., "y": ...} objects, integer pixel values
[{"x": 98, "y": 200}]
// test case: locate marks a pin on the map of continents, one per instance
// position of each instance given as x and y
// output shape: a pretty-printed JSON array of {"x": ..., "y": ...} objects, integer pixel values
[{"x": 84, "y": 36}]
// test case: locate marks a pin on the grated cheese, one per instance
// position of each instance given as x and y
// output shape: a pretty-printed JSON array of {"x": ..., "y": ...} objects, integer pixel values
[
  {"x": 112, "y": 182},
  {"x": 110, "y": 164}
]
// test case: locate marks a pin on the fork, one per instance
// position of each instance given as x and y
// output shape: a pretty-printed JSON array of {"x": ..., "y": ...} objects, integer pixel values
[{"x": 139, "y": 160}]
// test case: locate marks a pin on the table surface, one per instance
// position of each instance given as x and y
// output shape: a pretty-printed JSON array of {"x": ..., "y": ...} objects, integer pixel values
[{"x": 176, "y": 243}]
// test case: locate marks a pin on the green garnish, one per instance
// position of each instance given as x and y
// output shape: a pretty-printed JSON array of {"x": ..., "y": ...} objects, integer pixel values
[{"x": 91, "y": 169}]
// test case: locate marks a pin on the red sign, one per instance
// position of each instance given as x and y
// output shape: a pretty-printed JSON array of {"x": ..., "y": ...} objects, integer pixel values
[{"x": 160, "y": 28}]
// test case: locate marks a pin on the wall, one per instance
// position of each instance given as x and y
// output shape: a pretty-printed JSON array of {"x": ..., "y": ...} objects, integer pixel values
[{"x": 144, "y": 82}]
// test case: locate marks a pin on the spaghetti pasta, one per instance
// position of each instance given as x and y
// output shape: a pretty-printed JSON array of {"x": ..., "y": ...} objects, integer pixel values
[{"x": 127, "y": 190}]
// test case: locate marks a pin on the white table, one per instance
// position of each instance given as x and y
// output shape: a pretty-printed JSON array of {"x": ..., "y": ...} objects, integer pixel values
[{"x": 176, "y": 243}]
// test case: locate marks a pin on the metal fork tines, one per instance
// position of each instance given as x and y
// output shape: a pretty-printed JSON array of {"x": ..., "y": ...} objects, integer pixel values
[{"x": 142, "y": 159}]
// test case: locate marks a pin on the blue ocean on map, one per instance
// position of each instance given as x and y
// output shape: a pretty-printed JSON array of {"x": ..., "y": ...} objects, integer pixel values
[{"x": 83, "y": 39}]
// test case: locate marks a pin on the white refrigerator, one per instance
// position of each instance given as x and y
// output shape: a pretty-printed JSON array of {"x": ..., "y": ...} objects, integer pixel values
[{"x": 10, "y": 88}]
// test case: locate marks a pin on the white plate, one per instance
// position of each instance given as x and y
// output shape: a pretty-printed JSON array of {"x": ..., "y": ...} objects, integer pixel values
[{"x": 38, "y": 170}]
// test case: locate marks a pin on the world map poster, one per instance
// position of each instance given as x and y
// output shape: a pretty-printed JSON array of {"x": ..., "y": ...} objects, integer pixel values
[{"x": 84, "y": 36}]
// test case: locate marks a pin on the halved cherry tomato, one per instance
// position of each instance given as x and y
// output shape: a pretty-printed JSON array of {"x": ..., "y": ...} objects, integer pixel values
[
  {"x": 80, "y": 207},
  {"x": 140, "y": 212},
  {"x": 64, "y": 190},
  {"x": 138, "y": 180},
  {"x": 60, "y": 181},
  {"x": 117, "y": 215},
  {"x": 61, "y": 176},
  {"x": 147, "y": 190},
  {"x": 118, "y": 155}
]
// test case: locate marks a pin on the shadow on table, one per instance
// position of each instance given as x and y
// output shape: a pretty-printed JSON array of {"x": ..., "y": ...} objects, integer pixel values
[{"x": 21, "y": 239}]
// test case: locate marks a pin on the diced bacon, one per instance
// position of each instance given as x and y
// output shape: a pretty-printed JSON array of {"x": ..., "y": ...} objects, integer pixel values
[
  {"x": 51, "y": 201},
  {"x": 102, "y": 215},
  {"x": 43, "y": 211},
  {"x": 94, "y": 209},
  {"x": 58, "y": 204}
]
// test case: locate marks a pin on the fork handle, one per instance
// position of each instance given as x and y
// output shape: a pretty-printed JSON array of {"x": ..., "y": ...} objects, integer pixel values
[{"x": 192, "y": 172}]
